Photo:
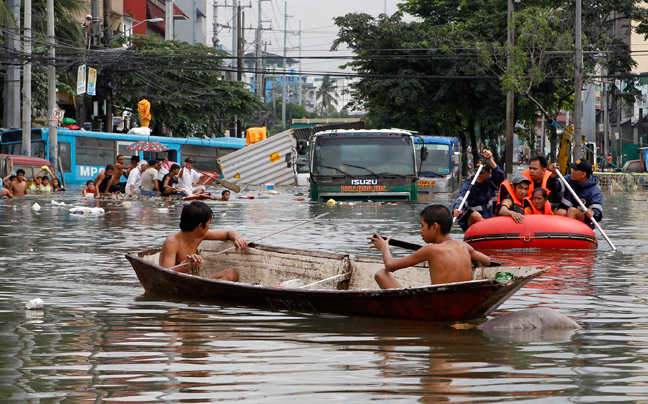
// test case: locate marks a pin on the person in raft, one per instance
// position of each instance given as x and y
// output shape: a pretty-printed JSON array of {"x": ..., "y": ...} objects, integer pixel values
[
  {"x": 481, "y": 201},
  {"x": 584, "y": 183},
  {"x": 511, "y": 197},
  {"x": 182, "y": 247},
  {"x": 539, "y": 204},
  {"x": 449, "y": 260}
]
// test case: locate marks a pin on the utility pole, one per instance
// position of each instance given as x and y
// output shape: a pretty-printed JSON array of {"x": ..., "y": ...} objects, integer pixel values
[
  {"x": 235, "y": 30},
  {"x": 107, "y": 86},
  {"x": 169, "y": 35},
  {"x": 241, "y": 45},
  {"x": 578, "y": 86},
  {"x": 299, "y": 76},
  {"x": 283, "y": 96},
  {"x": 510, "y": 97},
  {"x": 215, "y": 25},
  {"x": 51, "y": 88},
  {"x": 27, "y": 77},
  {"x": 257, "y": 56},
  {"x": 94, "y": 7},
  {"x": 11, "y": 112}
]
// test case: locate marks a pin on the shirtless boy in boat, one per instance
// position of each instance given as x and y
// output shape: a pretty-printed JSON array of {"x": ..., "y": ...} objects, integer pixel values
[
  {"x": 182, "y": 247},
  {"x": 449, "y": 260}
]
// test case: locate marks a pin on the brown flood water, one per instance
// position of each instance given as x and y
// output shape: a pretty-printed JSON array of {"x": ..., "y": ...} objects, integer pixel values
[{"x": 99, "y": 339}]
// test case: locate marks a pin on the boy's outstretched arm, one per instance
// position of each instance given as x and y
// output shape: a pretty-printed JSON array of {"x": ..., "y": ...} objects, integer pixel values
[
  {"x": 476, "y": 256},
  {"x": 392, "y": 264}
]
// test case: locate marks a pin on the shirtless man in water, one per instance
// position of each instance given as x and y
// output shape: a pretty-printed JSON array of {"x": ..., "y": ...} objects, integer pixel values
[
  {"x": 182, "y": 247},
  {"x": 118, "y": 170},
  {"x": 449, "y": 260},
  {"x": 18, "y": 185}
]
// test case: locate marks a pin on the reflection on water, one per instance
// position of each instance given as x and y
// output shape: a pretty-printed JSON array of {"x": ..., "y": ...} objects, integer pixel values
[{"x": 99, "y": 339}]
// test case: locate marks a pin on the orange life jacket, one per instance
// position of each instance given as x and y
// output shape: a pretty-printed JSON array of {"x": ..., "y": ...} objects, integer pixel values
[
  {"x": 513, "y": 196},
  {"x": 532, "y": 210},
  {"x": 543, "y": 184}
]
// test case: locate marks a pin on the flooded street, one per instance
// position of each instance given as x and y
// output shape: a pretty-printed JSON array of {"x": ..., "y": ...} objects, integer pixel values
[{"x": 99, "y": 339}]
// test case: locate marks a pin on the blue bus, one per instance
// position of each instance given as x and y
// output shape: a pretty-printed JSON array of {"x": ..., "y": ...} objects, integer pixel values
[
  {"x": 83, "y": 153},
  {"x": 440, "y": 172}
]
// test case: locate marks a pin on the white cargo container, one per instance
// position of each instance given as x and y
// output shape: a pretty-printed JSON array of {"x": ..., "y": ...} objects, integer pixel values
[{"x": 268, "y": 161}]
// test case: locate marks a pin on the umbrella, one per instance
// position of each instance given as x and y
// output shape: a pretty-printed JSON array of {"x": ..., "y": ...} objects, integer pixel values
[
  {"x": 147, "y": 145},
  {"x": 73, "y": 127},
  {"x": 68, "y": 121}
]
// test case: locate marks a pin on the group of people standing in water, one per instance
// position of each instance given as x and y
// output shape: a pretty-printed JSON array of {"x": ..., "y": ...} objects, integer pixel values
[
  {"x": 535, "y": 191},
  {"x": 16, "y": 183}
]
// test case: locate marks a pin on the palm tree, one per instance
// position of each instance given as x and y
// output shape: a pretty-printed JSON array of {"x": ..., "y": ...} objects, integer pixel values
[{"x": 328, "y": 95}]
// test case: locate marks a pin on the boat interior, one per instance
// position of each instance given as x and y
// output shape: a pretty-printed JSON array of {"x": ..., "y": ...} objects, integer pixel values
[{"x": 292, "y": 268}]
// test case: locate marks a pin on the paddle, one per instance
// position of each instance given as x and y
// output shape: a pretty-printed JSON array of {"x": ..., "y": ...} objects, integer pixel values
[
  {"x": 465, "y": 198},
  {"x": 260, "y": 238},
  {"x": 229, "y": 185},
  {"x": 582, "y": 205},
  {"x": 411, "y": 246}
]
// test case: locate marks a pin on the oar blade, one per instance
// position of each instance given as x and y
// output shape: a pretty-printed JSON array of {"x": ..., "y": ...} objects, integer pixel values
[{"x": 229, "y": 185}]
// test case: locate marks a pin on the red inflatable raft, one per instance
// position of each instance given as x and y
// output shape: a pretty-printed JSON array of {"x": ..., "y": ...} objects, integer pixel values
[{"x": 536, "y": 231}]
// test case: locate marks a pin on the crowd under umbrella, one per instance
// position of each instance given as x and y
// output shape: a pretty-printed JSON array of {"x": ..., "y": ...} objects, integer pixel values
[{"x": 148, "y": 146}]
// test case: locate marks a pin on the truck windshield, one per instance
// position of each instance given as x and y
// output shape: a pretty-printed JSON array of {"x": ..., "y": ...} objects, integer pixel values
[
  {"x": 366, "y": 155},
  {"x": 439, "y": 159}
]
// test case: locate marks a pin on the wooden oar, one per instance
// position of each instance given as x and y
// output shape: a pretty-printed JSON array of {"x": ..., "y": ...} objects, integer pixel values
[
  {"x": 229, "y": 185},
  {"x": 260, "y": 238},
  {"x": 414, "y": 247},
  {"x": 465, "y": 198},
  {"x": 582, "y": 205}
]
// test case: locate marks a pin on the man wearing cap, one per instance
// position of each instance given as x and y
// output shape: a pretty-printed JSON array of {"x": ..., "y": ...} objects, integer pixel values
[
  {"x": 150, "y": 186},
  {"x": 188, "y": 177},
  {"x": 481, "y": 201},
  {"x": 134, "y": 183},
  {"x": 511, "y": 197},
  {"x": 585, "y": 185}
]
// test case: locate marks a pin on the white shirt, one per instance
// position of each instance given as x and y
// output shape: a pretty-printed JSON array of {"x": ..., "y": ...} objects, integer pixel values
[
  {"x": 189, "y": 176},
  {"x": 135, "y": 179}
]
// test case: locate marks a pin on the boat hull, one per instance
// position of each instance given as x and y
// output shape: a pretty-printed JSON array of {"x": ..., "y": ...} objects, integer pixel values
[
  {"x": 536, "y": 231},
  {"x": 448, "y": 302}
]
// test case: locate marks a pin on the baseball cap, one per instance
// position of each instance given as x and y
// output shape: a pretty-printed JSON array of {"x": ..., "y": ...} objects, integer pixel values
[
  {"x": 483, "y": 162},
  {"x": 189, "y": 160},
  {"x": 582, "y": 165},
  {"x": 518, "y": 178}
]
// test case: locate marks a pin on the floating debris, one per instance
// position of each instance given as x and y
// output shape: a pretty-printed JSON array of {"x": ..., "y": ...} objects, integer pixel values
[{"x": 34, "y": 304}]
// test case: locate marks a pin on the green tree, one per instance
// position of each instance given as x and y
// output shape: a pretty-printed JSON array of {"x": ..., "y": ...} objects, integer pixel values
[
  {"x": 327, "y": 95},
  {"x": 183, "y": 83}
]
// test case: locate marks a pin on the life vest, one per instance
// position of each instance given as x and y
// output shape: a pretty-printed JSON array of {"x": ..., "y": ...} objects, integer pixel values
[
  {"x": 532, "y": 210},
  {"x": 518, "y": 206},
  {"x": 543, "y": 184}
]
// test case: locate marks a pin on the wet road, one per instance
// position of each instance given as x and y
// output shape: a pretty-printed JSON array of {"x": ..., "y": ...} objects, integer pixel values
[{"x": 99, "y": 339}]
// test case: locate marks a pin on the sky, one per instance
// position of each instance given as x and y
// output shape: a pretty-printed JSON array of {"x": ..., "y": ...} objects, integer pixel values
[{"x": 318, "y": 29}]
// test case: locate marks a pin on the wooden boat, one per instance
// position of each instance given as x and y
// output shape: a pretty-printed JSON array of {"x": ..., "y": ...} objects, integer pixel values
[
  {"x": 536, "y": 231},
  {"x": 341, "y": 284}
]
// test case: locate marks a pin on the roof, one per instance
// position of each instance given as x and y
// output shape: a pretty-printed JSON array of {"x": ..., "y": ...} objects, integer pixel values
[
  {"x": 26, "y": 160},
  {"x": 154, "y": 11}
]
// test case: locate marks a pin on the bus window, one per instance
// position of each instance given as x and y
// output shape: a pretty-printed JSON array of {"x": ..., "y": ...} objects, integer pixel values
[
  {"x": 205, "y": 157},
  {"x": 38, "y": 149},
  {"x": 94, "y": 152},
  {"x": 66, "y": 156}
]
